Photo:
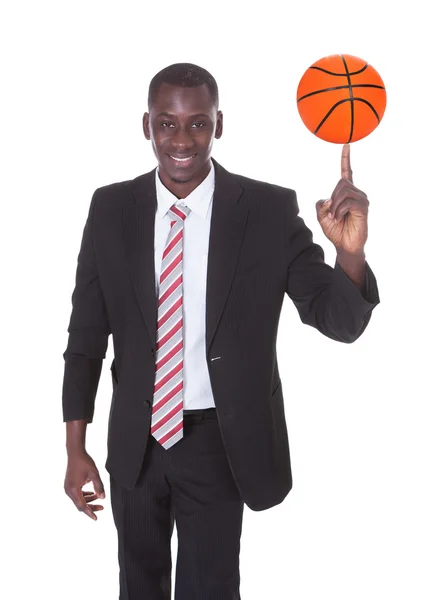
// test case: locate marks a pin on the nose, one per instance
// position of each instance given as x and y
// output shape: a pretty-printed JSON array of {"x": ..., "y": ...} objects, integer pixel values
[{"x": 182, "y": 140}]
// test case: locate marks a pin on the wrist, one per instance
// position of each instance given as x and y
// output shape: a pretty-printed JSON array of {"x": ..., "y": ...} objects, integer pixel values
[
  {"x": 76, "y": 437},
  {"x": 353, "y": 265},
  {"x": 358, "y": 254},
  {"x": 75, "y": 450}
]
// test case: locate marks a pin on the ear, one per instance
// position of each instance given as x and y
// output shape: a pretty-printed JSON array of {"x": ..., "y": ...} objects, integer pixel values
[
  {"x": 219, "y": 124},
  {"x": 146, "y": 125}
]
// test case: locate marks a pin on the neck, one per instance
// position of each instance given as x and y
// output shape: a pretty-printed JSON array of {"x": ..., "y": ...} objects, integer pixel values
[{"x": 182, "y": 189}]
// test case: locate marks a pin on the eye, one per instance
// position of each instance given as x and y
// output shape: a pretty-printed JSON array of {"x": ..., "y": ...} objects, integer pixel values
[
  {"x": 200, "y": 125},
  {"x": 166, "y": 123}
]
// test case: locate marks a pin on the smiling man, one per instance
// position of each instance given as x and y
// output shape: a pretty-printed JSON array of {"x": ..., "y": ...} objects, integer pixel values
[
  {"x": 187, "y": 267},
  {"x": 181, "y": 124}
]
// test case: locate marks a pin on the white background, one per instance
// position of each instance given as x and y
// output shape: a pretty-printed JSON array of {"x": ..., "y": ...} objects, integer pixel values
[{"x": 365, "y": 517}]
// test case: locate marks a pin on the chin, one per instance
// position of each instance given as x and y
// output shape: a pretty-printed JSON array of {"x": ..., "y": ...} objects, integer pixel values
[
  {"x": 182, "y": 179},
  {"x": 182, "y": 175}
]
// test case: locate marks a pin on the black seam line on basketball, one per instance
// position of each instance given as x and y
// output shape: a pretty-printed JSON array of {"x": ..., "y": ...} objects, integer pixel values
[
  {"x": 342, "y": 87},
  {"x": 352, "y": 106},
  {"x": 340, "y": 74},
  {"x": 329, "y": 113},
  {"x": 342, "y": 102},
  {"x": 369, "y": 105}
]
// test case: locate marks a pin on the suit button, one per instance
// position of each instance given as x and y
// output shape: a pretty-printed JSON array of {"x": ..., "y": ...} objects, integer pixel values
[{"x": 146, "y": 402}]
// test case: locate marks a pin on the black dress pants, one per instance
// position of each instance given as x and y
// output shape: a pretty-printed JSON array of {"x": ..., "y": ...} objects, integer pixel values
[{"x": 191, "y": 484}]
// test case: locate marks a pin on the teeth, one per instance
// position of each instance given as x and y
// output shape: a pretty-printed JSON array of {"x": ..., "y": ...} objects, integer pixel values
[{"x": 182, "y": 159}]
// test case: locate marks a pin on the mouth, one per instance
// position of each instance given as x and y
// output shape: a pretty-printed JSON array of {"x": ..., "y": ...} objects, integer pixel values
[{"x": 182, "y": 161}]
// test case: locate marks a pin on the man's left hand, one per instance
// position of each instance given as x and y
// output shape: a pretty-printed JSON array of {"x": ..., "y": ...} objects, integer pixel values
[{"x": 343, "y": 217}]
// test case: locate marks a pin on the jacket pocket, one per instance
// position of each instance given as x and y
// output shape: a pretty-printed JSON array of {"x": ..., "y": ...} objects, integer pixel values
[
  {"x": 114, "y": 374},
  {"x": 276, "y": 390}
]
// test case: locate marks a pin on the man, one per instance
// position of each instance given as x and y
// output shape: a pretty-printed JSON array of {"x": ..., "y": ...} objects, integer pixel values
[{"x": 187, "y": 267}]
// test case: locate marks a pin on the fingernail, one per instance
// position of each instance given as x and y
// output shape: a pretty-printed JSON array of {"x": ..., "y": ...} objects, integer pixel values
[{"x": 330, "y": 215}]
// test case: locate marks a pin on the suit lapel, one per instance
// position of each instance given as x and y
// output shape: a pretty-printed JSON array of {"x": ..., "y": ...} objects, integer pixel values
[
  {"x": 228, "y": 221},
  {"x": 138, "y": 227}
]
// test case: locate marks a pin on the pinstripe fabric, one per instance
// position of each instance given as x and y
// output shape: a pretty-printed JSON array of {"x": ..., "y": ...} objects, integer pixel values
[
  {"x": 259, "y": 250},
  {"x": 167, "y": 414},
  {"x": 191, "y": 485}
]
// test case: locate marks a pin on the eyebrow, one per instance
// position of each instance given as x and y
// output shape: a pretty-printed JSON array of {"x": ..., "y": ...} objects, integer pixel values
[{"x": 166, "y": 114}]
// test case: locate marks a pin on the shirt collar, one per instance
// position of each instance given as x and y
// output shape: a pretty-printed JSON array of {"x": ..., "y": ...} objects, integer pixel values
[{"x": 198, "y": 201}]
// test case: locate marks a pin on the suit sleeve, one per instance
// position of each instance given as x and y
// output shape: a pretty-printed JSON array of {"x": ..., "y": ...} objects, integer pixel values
[
  {"x": 88, "y": 332},
  {"x": 325, "y": 297}
]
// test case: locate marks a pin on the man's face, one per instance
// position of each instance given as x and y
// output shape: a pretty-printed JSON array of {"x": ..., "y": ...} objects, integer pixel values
[{"x": 181, "y": 125}]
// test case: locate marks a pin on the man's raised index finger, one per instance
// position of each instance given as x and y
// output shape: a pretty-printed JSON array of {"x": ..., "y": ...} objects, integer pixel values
[{"x": 346, "y": 170}]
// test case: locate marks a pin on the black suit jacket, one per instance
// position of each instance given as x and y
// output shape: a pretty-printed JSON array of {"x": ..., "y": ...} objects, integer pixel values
[{"x": 259, "y": 249}]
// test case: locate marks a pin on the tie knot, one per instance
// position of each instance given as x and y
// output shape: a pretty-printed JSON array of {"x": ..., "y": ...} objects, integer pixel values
[{"x": 179, "y": 212}]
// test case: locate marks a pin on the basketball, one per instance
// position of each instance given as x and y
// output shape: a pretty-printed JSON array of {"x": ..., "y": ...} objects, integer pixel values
[{"x": 341, "y": 98}]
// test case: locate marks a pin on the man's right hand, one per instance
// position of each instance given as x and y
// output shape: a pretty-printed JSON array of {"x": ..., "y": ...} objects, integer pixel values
[{"x": 81, "y": 470}]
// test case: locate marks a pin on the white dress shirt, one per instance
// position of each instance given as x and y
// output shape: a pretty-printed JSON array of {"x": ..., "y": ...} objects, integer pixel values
[{"x": 197, "y": 392}]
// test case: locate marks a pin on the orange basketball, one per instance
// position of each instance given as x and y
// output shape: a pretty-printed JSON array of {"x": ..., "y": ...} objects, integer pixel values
[{"x": 341, "y": 98}]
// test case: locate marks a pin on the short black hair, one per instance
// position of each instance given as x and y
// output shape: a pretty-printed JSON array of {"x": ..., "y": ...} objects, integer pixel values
[{"x": 185, "y": 75}]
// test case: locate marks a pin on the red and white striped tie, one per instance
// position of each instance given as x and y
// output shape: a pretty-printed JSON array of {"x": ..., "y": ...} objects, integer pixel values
[{"x": 167, "y": 414}]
